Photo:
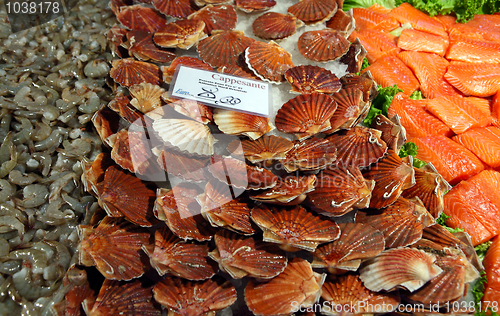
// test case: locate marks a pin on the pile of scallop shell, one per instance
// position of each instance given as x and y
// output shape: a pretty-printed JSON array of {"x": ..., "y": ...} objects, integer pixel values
[{"x": 249, "y": 205}]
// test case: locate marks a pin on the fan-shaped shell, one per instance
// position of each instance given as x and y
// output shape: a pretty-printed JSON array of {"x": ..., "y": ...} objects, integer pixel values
[
  {"x": 342, "y": 21},
  {"x": 350, "y": 105},
  {"x": 190, "y": 298},
  {"x": 128, "y": 71},
  {"x": 274, "y": 25},
  {"x": 93, "y": 172},
  {"x": 186, "y": 135},
  {"x": 244, "y": 256},
  {"x": 364, "y": 82},
  {"x": 401, "y": 223},
  {"x": 314, "y": 11},
  {"x": 323, "y": 45},
  {"x": 392, "y": 175},
  {"x": 193, "y": 62},
  {"x": 76, "y": 283},
  {"x": 106, "y": 122},
  {"x": 354, "y": 56},
  {"x": 139, "y": 18},
  {"x": 121, "y": 105},
  {"x": 180, "y": 34},
  {"x": 183, "y": 166},
  {"x": 182, "y": 214},
  {"x": 201, "y": 3},
  {"x": 264, "y": 149},
  {"x": 142, "y": 47},
  {"x": 268, "y": 61},
  {"x": 339, "y": 190},
  {"x": 441, "y": 237},
  {"x": 169, "y": 254},
  {"x": 221, "y": 17},
  {"x": 190, "y": 108},
  {"x": 239, "y": 71},
  {"x": 237, "y": 123},
  {"x": 298, "y": 286},
  {"x": 306, "y": 115},
  {"x": 147, "y": 97},
  {"x": 357, "y": 242},
  {"x": 174, "y": 8},
  {"x": 289, "y": 191},
  {"x": 309, "y": 79},
  {"x": 393, "y": 133},
  {"x": 294, "y": 229},
  {"x": 404, "y": 267},
  {"x": 115, "y": 248},
  {"x": 311, "y": 154},
  {"x": 223, "y": 47},
  {"x": 116, "y": 36},
  {"x": 249, "y": 6},
  {"x": 358, "y": 146}
]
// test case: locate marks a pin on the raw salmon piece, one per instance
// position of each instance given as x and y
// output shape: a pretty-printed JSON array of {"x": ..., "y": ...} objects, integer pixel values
[
  {"x": 491, "y": 263},
  {"x": 415, "y": 119},
  {"x": 376, "y": 43},
  {"x": 495, "y": 106},
  {"x": 447, "y": 20},
  {"x": 481, "y": 27},
  {"x": 488, "y": 181},
  {"x": 379, "y": 8},
  {"x": 429, "y": 69},
  {"x": 452, "y": 160},
  {"x": 458, "y": 113},
  {"x": 406, "y": 13},
  {"x": 478, "y": 79},
  {"x": 390, "y": 70},
  {"x": 484, "y": 142},
  {"x": 368, "y": 19},
  {"x": 473, "y": 51},
  {"x": 482, "y": 104},
  {"x": 423, "y": 42}
]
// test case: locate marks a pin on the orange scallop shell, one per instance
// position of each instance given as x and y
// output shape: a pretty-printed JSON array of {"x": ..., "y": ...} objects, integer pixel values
[
  {"x": 350, "y": 104},
  {"x": 143, "y": 48},
  {"x": 93, "y": 172},
  {"x": 174, "y": 8},
  {"x": 314, "y": 11},
  {"x": 289, "y": 191},
  {"x": 268, "y": 61},
  {"x": 298, "y": 286},
  {"x": 342, "y": 21},
  {"x": 402, "y": 222},
  {"x": 193, "y": 62},
  {"x": 392, "y": 176},
  {"x": 393, "y": 133},
  {"x": 323, "y": 45},
  {"x": 294, "y": 229},
  {"x": 115, "y": 248},
  {"x": 364, "y": 82},
  {"x": 190, "y": 108},
  {"x": 193, "y": 298},
  {"x": 183, "y": 166},
  {"x": 238, "y": 70},
  {"x": 306, "y": 115},
  {"x": 339, "y": 190},
  {"x": 106, "y": 123},
  {"x": 263, "y": 149},
  {"x": 311, "y": 154},
  {"x": 139, "y": 18},
  {"x": 223, "y": 47},
  {"x": 78, "y": 289},
  {"x": 116, "y": 36},
  {"x": 274, "y": 25},
  {"x": 358, "y": 146},
  {"x": 128, "y": 71},
  {"x": 354, "y": 57},
  {"x": 244, "y": 256},
  {"x": 308, "y": 79},
  {"x": 249, "y": 6},
  {"x": 357, "y": 242},
  {"x": 170, "y": 254},
  {"x": 221, "y": 17},
  {"x": 180, "y": 34},
  {"x": 201, "y": 3},
  {"x": 121, "y": 105},
  {"x": 237, "y": 123}
]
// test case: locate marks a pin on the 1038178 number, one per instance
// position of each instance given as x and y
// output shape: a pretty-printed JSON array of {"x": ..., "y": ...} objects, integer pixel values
[{"x": 27, "y": 7}]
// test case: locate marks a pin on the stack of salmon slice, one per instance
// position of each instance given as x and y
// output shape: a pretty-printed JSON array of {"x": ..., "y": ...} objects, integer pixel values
[{"x": 456, "y": 127}]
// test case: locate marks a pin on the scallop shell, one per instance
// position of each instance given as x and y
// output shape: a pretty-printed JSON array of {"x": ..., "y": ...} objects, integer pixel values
[
  {"x": 364, "y": 82},
  {"x": 180, "y": 34},
  {"x": 186, "y": 135},
  {"x": 274, "y": 25},
  {"x": 264, "y": 149},
  {"x": 350, "y": 105},
  {"x": 239, "y": 71},
  {"x": 306, "y": 115},
  {"x": 183, "y": 166},
  {"x": 294, "y": 229},
  {"x": 142, "y": 47},
  {"x": 116, "y": 36},
  {"x": 429, "y": 187},
  {"x": 354, "y": 56},
  {"x": 393, "y": 133},
  {"x": 76, "y": 283},
  {"x": 358, "y": 146},
  {"x": 238, "y": 174},
  {"x": 93, "y": 172},
  {"x": 106, "y": 123},
  {"x": 139, "y": 18},
  {"x": 190, "y": 108},
  {"x": 268, "y": 61},
  {"x": 441, "y": 236},
  {"x": 314, "y": 11},
  {"x": 191, "y": 298},
  {"x": 297, "y": 287},
  {"x": 115, "y": 248},
  {"x": 221, "y": 17},
  {"x": 346, "y": 295},
  {"x": 126, "y": 195},
  {"x": 323, "y": 45},
  {"x": 357, "y": 242},
  {"x": 289, "y": 191},
  {"x": 128, "y": 71},
  {"x": 339, "y": 190},
  {"x": 237, "y": 123},
  {"x": 249, "y": 6},
  {"x": 170, "y": 254},
  {"x": 223, "y": 47},
  {"x": 391, "y": 175},
  {"x": 342, "y": 21},
  {"x": 244, "y": 256},
  {"x": 222, "y": 209},
  {"x": 174, "y": 8},
  {"x": 309, "y": 79},
  {"x": 311, "y": 154},
  {"x": 201, "y": 3},
  {"x": 401, "y": 223},
  {"x": 193, "y": 62},
  {"x": 182, "y": 214},
  {"x": 147, "y": 97},
  {"x": 121, "y": 105},
  {"x": 118, "y": 298}
]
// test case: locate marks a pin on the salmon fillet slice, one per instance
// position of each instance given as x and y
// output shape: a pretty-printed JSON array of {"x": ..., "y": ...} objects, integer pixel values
[
  {"x": 484, "y": 142},
  {"x": 447, "y": 20},
  {"x": 481, "y": 27},
  {"x": 495, "y": 106},
  {"x": 377, "y": 44},
  {"x": 366, "y": 18},
  {"x": 476, "y": 79},
  {"x": 423, "y": 42},
  {"x": 473, "y": 51},
  {"x": 406, "y": 13}
]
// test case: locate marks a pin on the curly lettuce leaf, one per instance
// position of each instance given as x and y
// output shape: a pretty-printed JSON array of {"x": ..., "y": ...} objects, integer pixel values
[
  {"x": 441, "y": 220},
  {"x": 417, "y": 95},
  {"x": 410, "y": 149},
  {"x": 431, "y": 7},
  {"x": 482, "y": 249},
  {"x": 349, "y": 4},
  {"x": 381, "y": 103}
]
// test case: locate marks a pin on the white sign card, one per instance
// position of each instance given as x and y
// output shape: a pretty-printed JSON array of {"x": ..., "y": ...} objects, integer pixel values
[{"x": 222, "y": 90}]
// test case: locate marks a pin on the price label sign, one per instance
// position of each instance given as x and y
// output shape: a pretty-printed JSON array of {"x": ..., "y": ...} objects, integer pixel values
[{"x": 222, "y": 90}]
